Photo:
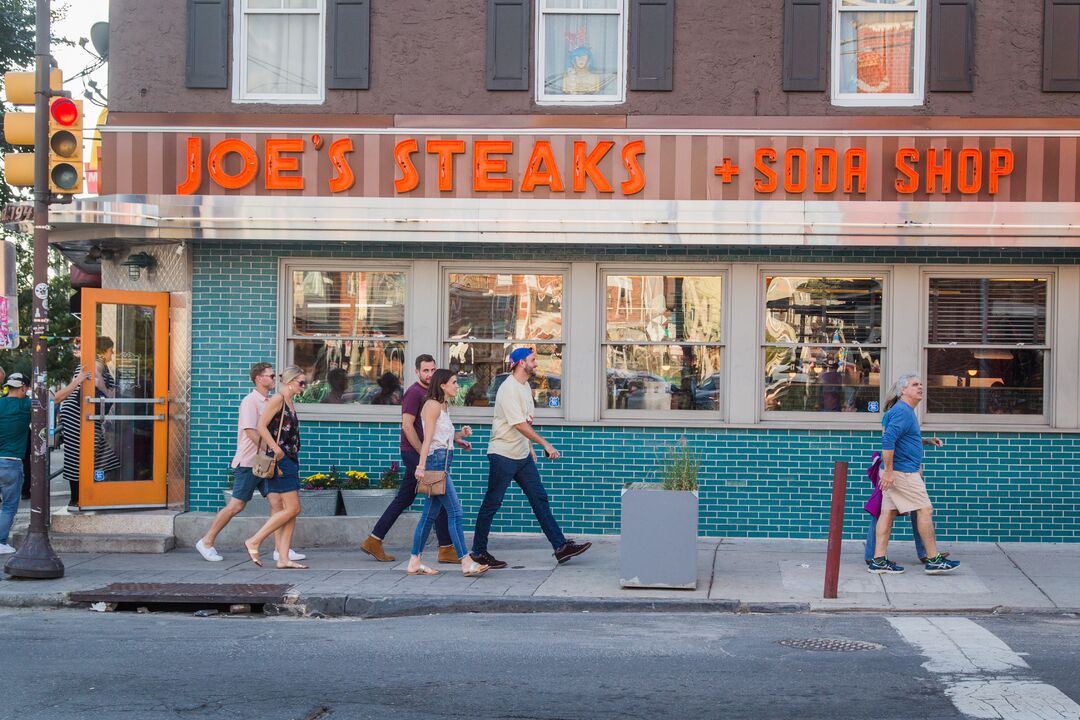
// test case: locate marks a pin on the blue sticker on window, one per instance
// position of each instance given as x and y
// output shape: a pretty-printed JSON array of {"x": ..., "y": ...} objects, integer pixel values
[
  {"x": 553, "y": 401},
  {"x": 99, "y": 475},
  {"x": 872, "y": 406}
]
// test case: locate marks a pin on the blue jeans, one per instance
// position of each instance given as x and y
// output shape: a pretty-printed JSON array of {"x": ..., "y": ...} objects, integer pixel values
[
  {"x": 11, "y": 482},
  {"x": 406, "y": 494},
  {"x": 871, "y": 538},
  {"x": 501, "y": 471},
  {"x": 434, "y": 505}
]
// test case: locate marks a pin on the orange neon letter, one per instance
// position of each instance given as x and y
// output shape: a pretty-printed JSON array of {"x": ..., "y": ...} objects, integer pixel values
[
  {"x": 825, "y": 169},
  {"x": 910, "y": 182},
  {"x": 446, "y": 150},
  {"x": 855, "y": 172},
  {"x": 483, "y": 166},
  {"x": 585, "y": 166},
  {"x": 410, "y": 178},
  {"x": 343, "y": 175},
  {"x": 1001, "y": 165},
  {"x": 534, "y": 174},
  {"x": 767, "y": 182},
  {"x": 969, "y": 171},
  {"x": 194, "y": 168},
  {"x": 276, "y": 163},
  {"x": 935, "y": 171},
  {"x": 794, "y": 183},
  {"x": 248, "y": 169},
  {"x": 635, "y": 175}
]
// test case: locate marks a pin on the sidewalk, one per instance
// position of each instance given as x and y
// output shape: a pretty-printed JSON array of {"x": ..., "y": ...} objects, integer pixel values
[{"x": 735, "y": 575}]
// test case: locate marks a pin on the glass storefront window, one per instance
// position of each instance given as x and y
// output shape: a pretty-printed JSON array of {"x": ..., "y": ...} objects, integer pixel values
[
  {"x": 581, "y": 48},
  {"x": 823, "y": 344},
  {"x": 987, "y": 348},
  {"x": 347, "y": 332},
  {"x": 662, "y": 342},
  {"x": 488, "y": 315}
]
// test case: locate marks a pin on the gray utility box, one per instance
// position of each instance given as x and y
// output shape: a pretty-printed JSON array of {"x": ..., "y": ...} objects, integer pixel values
[{"x": 658, "y": 545}]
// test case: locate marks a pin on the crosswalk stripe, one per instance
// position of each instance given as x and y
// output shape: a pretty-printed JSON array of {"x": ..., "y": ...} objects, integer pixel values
[{"x": 983, "y": 677}]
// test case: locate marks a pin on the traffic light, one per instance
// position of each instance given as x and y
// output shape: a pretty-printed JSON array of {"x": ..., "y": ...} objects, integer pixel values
[
  {"x": 65, "y": 146},
  {"x": 64, "y": 138}
]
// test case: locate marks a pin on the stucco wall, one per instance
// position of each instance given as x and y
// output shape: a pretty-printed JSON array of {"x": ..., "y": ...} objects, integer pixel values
[{"x": 428, "y": 58}]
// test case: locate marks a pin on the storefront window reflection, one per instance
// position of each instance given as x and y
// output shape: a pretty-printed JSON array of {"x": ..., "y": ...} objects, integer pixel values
[
  {"x": 823, "y": 344},
  {"x": 662, "y": 342}
]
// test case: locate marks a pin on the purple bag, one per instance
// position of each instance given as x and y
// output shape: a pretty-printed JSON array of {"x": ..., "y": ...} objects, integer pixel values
[{"x": 873, "y": 504}]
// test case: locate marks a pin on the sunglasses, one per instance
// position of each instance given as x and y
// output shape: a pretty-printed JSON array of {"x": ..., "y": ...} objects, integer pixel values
[{"x": 301, "y": 383}]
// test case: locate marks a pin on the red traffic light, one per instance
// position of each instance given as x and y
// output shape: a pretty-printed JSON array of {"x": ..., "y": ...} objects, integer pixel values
[{"x": 64, "y": 111}]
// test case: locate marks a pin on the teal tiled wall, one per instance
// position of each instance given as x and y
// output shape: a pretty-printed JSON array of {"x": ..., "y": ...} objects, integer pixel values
[{"x": 754, "y": 482}]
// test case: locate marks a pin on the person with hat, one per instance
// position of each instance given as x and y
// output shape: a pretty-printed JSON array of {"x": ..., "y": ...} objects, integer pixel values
[
  {"x": 511, "y": 457},
  {"x": 14, "y": 431}
]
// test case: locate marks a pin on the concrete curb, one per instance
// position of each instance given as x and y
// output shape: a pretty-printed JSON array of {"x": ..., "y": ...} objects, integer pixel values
[{"x": 36, "y": 600}]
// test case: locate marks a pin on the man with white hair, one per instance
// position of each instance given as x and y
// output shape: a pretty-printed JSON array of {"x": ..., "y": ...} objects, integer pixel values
[{"x": 902, "y": 486}]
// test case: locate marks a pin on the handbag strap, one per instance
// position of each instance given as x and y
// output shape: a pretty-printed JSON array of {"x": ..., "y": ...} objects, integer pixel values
[{"x": 258, "y": 448}]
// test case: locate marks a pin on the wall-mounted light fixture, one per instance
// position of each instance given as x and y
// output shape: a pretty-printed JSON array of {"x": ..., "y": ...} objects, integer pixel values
[{"x": 137, "y": 262}]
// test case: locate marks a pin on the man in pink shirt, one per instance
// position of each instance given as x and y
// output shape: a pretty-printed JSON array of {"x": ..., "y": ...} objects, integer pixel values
[{"x": 245, "y": 481}]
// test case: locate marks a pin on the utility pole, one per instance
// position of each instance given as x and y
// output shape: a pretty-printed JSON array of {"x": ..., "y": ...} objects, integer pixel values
[{"x": 35, "y": 557}]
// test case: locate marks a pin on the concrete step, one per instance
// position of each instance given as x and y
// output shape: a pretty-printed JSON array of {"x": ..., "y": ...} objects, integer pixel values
[
  {"x": 341, "y": 531},
  {"x": 105, "y": 543},
  {"x": 114, "y": 522}
]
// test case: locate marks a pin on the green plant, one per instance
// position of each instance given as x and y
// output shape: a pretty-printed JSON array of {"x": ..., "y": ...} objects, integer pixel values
[
  {"x": 391, "y": 477},
  {"x": 354, "y": 480},
  {"x": 680, "y": 468},
  {"x": 321, "y": 481}
]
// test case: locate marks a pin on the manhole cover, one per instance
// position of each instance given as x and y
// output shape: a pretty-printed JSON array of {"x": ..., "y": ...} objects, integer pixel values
[{"x": 830, "y": 644}]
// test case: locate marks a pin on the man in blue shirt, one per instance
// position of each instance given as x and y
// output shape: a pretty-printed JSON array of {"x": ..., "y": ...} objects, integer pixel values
[
  {"x": 14, "y": 430},
  {"x": 902, "y": 486}
]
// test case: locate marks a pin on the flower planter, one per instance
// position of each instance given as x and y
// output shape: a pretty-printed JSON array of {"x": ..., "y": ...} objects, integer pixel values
[
  {"x": 658, "y": 542},
  {"x": 318, "y": 503},
  {"x": 257, "y": 506},
  {"x": 369, "y": 503}
]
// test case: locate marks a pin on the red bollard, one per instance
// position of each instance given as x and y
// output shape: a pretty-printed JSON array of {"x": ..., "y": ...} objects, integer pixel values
[{"x": 836, "y": 529}]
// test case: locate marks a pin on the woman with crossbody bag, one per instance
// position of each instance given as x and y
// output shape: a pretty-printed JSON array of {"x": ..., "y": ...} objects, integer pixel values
[
  {"x": 279, "y": 429},
  {"x": 433, "y": 476}
]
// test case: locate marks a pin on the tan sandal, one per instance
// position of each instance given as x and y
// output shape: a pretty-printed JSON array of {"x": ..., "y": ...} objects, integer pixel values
[
  {"x": 423, "y": 570},
  {"x": 476, "y": 569}
]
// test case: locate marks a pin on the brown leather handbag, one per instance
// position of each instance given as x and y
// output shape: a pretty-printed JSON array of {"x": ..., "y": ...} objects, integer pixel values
[
  {"x": 434, "y": 483},
  {"x": 265, "y": 466}
]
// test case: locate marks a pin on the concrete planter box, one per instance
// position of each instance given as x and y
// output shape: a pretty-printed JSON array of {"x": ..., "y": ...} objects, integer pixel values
[
  {"x": 318, "y": 503},
  {"x": 658, "y": 544},
  {"x": 370, "y": 503},
  {"x": 258, "y": 506}
]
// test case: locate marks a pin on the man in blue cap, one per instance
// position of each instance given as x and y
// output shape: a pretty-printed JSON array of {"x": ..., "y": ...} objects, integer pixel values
[{"x": 511, "y": 457}]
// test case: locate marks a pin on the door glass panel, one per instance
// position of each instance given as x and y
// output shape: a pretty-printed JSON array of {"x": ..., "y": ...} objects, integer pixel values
[{"x": 124, "y": 372}]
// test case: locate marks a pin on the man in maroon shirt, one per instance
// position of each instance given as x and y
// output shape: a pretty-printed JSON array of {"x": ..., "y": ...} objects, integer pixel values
[{"x": 412, "y": 439}]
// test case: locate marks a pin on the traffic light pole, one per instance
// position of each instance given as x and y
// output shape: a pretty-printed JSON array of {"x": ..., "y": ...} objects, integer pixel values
[{"x": 35, "y": 557}]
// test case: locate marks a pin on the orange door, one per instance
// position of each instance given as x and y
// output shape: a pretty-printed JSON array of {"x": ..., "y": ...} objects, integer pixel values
[{"x": 125, "y": 409}]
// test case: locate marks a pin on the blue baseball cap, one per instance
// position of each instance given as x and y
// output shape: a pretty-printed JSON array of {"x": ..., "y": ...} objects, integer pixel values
[{"x": 519, "y": 354}]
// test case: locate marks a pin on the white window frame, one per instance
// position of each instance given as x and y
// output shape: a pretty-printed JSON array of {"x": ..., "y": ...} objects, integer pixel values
[
  {"x": 543, "y": 98},
  {"x": 822, "y": 418},
  {"x": 240, "y": 60},
  {"x": 989, "y": 272},
  {"x": 485, "y": 414},
  {"x": 687, "y": 417},
  {"x": 352, "y": 411},
  {"x": 912, "y": 99}
]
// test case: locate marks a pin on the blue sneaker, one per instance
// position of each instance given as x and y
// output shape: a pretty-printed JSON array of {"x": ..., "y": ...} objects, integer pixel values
[
  {"x": 939, "y": 565},
  {"x": 884, "y": 566}
]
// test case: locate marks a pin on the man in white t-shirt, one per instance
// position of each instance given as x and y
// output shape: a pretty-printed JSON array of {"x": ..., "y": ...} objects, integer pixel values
[
  {"x": 245, "y": 482},
  {"x": 511, "y": 457}
]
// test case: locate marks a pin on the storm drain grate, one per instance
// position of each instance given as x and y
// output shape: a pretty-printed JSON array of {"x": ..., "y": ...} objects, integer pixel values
[
  {"x": 184, "y": 593},
  {"x": 830, "y": 645}
]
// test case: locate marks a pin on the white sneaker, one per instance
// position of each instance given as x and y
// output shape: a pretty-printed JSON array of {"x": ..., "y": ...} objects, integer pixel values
[
  {"x": 293, "y": 555},
  {"x": 6, "y": 549},
  {"x": 209, "y": 554}
]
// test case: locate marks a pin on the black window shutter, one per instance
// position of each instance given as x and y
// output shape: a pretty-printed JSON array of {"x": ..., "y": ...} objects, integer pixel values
[
  {"x": 1061, "y": 46},
  {"x": 349, "y": 44},
  {"x": 507, "y": 44},
  {"x": 207, "y": 43},
  {"x": 652, "y": 43},
  {"x": 952, "y": 45},
  {"x": 806, "y": 43}
]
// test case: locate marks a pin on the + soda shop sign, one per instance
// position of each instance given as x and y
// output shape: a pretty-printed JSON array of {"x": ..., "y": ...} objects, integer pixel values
[{"x": 588, "y": 164}]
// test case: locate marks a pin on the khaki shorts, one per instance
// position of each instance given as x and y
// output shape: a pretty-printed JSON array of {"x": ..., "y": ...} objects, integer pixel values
[{"x": 907, "y": 493}]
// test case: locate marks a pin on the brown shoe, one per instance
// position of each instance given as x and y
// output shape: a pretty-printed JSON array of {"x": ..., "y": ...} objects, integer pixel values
[
  {"x": 447, "y": 555},
  {"x": 373, "y": 547}
]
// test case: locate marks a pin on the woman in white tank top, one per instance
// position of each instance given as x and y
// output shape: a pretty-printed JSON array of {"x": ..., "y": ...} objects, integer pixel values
[{"x": 437, "y": 454}]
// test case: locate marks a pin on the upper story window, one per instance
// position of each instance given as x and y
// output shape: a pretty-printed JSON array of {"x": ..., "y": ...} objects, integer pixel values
[
  {"x": 280, "y": 51},
  {"x": 878, "y": 54},
  {"x": 581, "y": 52}
]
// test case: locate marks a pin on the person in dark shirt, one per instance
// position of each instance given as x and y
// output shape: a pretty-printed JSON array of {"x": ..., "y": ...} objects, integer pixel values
[{"x": 14, "y": 431}]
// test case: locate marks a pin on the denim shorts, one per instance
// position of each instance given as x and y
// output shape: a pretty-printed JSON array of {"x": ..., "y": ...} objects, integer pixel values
[
  {"x": 287, "y": 478},
  {"x": 245, "y": 483}
]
